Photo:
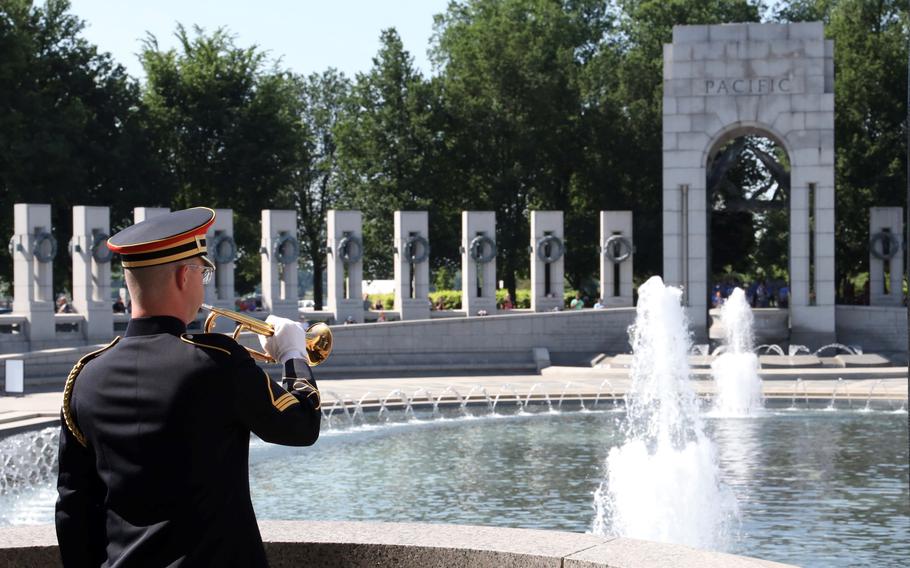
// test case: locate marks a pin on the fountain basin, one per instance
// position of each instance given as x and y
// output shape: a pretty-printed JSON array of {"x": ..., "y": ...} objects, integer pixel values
[
  {"x": 405, "y": 545},
  {"x": 772, "y": 325},
  {"x": 866, "y": 360},
  {"x": 790, "y": 362},
  {"x": 800, "y": 464}
]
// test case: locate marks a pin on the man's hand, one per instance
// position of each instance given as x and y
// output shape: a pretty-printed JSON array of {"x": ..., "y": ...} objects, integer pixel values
[{"x": 288, "y": 341}]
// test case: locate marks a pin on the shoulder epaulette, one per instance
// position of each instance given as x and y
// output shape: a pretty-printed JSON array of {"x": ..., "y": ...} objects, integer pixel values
[
  {"x": 215, "y": 342},
  {"x": 68, "y": 390}
]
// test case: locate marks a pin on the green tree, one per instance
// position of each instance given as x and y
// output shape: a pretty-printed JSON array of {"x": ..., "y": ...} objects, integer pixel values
[
  {"x": 644, "y": 26},
  {"x": 870, "y": 112},
  {"x": 387, "y": 149},
  {"x": 510, "y": 74},
  {"x": 71, "y": 125},
  {"x": 316, "y": 179},
  {"x": 226, "y": 127}
]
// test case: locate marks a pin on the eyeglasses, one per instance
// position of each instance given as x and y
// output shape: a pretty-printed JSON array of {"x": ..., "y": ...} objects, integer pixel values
[{"x": 207, "y": 271}]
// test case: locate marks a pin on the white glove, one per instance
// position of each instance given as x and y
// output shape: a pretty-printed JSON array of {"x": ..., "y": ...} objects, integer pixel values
[{"x": 288, "y": 341}]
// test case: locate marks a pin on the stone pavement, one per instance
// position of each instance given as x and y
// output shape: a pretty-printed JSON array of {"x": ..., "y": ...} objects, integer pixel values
[{"x": 23, "y": 412}]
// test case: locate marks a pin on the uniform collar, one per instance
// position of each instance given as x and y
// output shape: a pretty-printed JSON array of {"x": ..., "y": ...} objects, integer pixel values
[{"x": 155, "y": 325}]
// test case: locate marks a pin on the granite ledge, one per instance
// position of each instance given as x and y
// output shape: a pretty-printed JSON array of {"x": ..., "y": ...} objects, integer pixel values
[{"x": 355, "y": 544}]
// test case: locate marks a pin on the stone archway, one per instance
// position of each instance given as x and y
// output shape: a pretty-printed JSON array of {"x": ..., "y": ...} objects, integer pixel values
[
  {"x": 777, "y": 79},
  {"x": 748, "y": 205}
]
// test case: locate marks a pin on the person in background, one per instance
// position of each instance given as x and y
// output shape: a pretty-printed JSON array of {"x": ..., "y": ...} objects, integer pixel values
[
  {"x": 717, "y": 300},
  {"x": 761, "y": 295},
  {"x": 119, "y": 307},
  {"x": 63, "y": 305},
  {"x": 440, "y": 304},
  {"x": 507, "y": 302},
  {"x": 783, "y": 296},
  {"x": 577, "y": 302},
  {"x": 599, "y": 304}
]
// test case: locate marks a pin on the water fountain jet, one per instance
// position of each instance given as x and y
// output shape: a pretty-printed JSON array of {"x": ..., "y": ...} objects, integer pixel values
[
  {"x": 735, "y": 371},
  {"x": 663, "y": 483}
]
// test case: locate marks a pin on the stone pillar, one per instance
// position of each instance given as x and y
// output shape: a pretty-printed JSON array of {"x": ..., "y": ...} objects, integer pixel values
[
  {"x": 616, "y": 251},
  {"x": 412, "y": 264},
  {"x": 685, "y": 221},
  {"x": 547, "y": 260},
  {"x": 33, "y": 249},
  {"x": 222, "y": 251},
  {"x": 812, "y": 256},
  {"x": 279, "y": 253},
  {"x": 140, "y": 214},
  {"x": 478, "y": 262},
  {"x": 344, "y": 262},
  {"x": 92, "y": 271},
  {"x": 886, "y": 261}
]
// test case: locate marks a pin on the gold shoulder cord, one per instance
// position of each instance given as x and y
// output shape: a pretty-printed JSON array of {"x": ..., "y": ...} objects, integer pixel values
[{"x": 68, "y": 391}]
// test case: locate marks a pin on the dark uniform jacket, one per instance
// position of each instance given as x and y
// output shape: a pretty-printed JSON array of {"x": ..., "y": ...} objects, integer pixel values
[{"x": 162, "y": 476}]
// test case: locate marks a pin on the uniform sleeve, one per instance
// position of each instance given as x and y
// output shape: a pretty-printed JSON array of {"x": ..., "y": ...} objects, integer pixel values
[
  {"x": 79, "y": 517},
  {"x": 274, "y": 413}
]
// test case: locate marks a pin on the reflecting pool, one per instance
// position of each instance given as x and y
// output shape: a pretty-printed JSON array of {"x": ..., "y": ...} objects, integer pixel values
[{"x": 815, "y": 487}]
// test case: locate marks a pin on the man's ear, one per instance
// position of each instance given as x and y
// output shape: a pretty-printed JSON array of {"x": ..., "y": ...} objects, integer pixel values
[{"x": 181, "y": 277}]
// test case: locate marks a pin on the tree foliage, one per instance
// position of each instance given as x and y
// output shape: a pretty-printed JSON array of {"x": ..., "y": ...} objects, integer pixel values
[
  {"x": 534, "y": 104},
  {"x": 226, "y": 130},
  {"x": 387, "y": 149},
  {"x": 315, "y": 179},
  {"x": 71, "y": 128},
  {"x": 870, "y": 129},
  {"x": 511, "y": 81}
]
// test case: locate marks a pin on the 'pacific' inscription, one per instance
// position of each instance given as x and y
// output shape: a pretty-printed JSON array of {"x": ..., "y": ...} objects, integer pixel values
[{"x": 753, "y": 86}]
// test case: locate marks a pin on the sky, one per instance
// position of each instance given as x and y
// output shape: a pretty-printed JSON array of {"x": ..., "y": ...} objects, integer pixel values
[{"x": 308, "y": 35}]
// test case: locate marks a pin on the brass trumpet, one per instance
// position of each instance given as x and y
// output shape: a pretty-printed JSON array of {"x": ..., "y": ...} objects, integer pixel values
[{"x": 318, "y": 336}]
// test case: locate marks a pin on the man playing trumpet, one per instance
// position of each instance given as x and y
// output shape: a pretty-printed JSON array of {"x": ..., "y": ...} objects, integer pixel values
[{"x": 154, "y": 446}]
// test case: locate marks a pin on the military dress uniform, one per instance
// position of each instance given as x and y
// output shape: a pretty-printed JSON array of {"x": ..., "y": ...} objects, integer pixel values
[{"x": 154, "y": 447}]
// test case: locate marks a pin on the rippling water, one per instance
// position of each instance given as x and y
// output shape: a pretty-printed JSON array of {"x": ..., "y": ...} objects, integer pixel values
[{"x": 815, "y": 488}]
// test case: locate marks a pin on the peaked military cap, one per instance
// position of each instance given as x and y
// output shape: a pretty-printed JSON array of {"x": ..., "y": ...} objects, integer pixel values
[{"x": 166, "y": 238}]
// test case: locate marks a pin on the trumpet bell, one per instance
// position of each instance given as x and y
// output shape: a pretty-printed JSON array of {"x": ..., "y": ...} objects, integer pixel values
[
  {"x": 319, "y": 342},
  {"x": 319, "y": 339}
]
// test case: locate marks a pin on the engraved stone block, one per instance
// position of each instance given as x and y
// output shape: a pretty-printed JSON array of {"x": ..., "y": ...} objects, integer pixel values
[
  {"x": 728, "y": 32},
  {"x": 692, "y": 141},
  {"x": 689, "y": 105},
  {"x": 747, "y": 108},
  {"x": 786, "y": 121},
  {"x": 690, "y": 34},
  {"x": 708, "y": 51},
  {"x": 766, "y": 32},
  {"x": 681, "y": 158},
  {"x": 677, "y": 123},
  {"x": 787, "y": 48},
  {"x": 809, "y": 102}
]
